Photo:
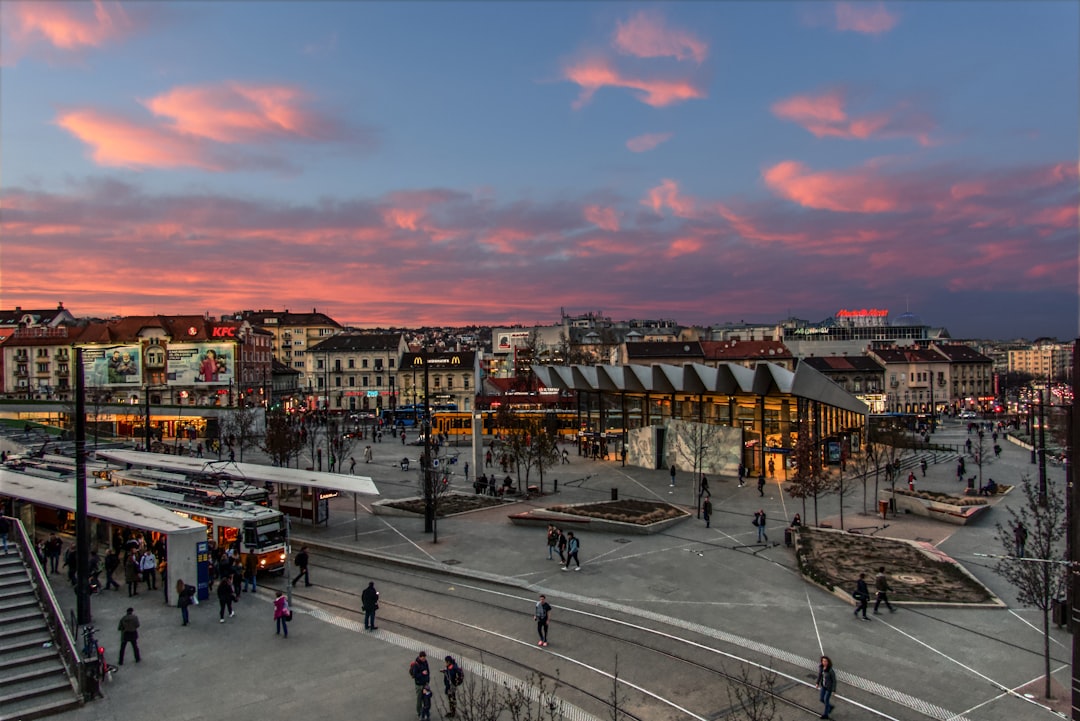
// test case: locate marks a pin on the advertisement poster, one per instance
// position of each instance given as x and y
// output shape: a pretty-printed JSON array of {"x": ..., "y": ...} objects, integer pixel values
[
  {"x": 195, "y": 364},
  {"x": 510, "y": 340},
  {"x": 112, "y": 366}
]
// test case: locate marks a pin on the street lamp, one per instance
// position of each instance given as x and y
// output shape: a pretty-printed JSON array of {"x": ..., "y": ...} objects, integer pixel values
[{"x": 429, "y": 491}]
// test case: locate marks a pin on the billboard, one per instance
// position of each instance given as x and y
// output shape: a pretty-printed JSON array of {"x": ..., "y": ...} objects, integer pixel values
[
  {"x": 507, "y": 341},
  {"x": 200, "y": 364},
  {"x": 118, "y": 365}
]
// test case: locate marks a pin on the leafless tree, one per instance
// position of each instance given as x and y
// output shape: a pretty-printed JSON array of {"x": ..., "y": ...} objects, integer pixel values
[
  {"x": 691, "y": 441},
  {"x": 1039, "y": 576},
  {"x": 811, "y": 478},
  {"x": 534, "y": 699},
  {"x": 282, "y": 442},
  {"x": 240, "y": 425},
  {"x": 752, "y": 696}
]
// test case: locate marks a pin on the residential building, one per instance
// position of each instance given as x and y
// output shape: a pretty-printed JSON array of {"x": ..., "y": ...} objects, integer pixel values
[
  {"x": 356, "y": 372},
  {"x": 1045, "y": 360},
  {"x": 451, "y": 378},
  {"x": 747, "y": 353},
  {"x": 861, "y": 376},
  {"x": 671, "y": 353},
  {"x": 292, "y": 335}
]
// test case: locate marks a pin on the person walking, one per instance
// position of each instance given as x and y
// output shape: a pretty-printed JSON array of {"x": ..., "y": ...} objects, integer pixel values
[
  {"x": 672, "y": 475},
  {"x": 742, "y": 474},
  {"x": 1020, "y": 535},
  {"x": 53, "y": 547},
  {"x": 552, "y": 540},
  {"x": 369, "y": 601},
  {"x": 922, "y": 467},
  {"x": 226, "y": 596},
  {"x": 352, "y": 465},
  {"x": 573, "y": 545},
  {"x": 418, "y": 669},
  {"x": 703, "y": 490},
  {"x": 251, "y": 570},
  {"x": 129, "y": 633},
  {"x": 112, "y": 562},
  {"x": 560, "y": 546},
  {"x": 911, "y": 481},
  {"x": 706, "y": 511},
  {"x": 466, "y": 469},
  {"x": 826, "y": 683},
  {"x": 861, "y": 596},
  {"x": 131, "y": 576},
  {"x": 368, "y": 452},
  {"x": 302, "y": 563},
  {"x": 542, "y": 616},
  {"x": 761, "y": 486},
  {"x": 760, "y": 521},
  {"x": 148, "y": 569},
  {"x": 453, "y": 677},
  {"x": 185, "y": 595},
  {"x": 881, "y": 585},
  {"x": 282, "y": 614}
]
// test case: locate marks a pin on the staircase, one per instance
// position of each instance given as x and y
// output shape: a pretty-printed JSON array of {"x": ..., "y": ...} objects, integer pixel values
[{"x": 34, "y": 681}]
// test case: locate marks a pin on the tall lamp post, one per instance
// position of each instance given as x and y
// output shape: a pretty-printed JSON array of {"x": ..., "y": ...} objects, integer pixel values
[
  {"x": 429, "y": 491},
  {"x": 82, "y": 526}
]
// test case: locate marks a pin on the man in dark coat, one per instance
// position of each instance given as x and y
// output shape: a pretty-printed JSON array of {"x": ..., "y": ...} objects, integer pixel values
[
  {"x": 129, "y": 633},
  {"x": 226, "y": 594},
  {"x": 302, "y": 564},
  {"x": 369, "y": 600},
  {"x": 421, "y": 675}
]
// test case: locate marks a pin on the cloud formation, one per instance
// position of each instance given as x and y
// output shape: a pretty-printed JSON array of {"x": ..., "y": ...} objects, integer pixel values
[
  {"x": 593, "y": 74},
  {"x": 198, "y": 127},
  {"x": 648, "y": 141},
  {"x": 65, "y": 25},
  {"x": 864, "y": 17},
  {"x": 825, "y": 115},
  {"x": 646, "y": 35}
]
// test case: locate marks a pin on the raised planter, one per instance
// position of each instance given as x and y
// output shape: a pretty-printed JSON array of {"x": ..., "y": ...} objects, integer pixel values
[
  {"x": 452, "y": 504},
  {"x": 542, "y": 517},
  {"x": 959, "y": 512}
]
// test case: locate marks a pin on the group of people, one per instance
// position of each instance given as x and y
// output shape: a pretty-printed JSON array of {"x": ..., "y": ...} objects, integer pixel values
[
  {"x": 566, "y": 545},
  {"x": 453, "y": 678},
  {"x": 862, "y": 594}
]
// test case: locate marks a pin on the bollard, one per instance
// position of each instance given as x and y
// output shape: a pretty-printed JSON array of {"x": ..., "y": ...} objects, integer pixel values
[
  {"x": 556, "y": 485},
  {"x": 614, "y": 494}
]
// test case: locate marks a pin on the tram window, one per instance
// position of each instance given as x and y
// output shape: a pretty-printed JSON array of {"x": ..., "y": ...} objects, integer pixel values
[{"x": 249, "y": 535}]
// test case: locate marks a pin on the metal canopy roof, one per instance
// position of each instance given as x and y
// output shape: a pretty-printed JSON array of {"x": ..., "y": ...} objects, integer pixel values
[
  {"x": 107, "y": 505},
  {"x": 249, "y": 472},
  {"x": 696, "y": 378}
]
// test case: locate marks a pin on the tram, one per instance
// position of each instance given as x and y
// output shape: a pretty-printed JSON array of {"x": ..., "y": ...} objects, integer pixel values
[
  {"x": 255, "y": 529},
  {"x": 459, "y": 424},
  {"x": 213, "y": 489}
]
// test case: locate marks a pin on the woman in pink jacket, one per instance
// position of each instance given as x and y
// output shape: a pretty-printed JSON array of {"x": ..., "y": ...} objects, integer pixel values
[{"x": 282, "y": 614}]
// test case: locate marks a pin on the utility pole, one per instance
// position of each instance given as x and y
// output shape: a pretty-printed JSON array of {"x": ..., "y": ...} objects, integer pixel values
[
  {"x": 82, "y": 527},
  {"x": 425, "y": 466},
  {"x": 1042, "y": 451}
]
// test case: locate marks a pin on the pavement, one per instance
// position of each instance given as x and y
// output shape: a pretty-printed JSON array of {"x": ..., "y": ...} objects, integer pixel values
[{"x": 692, "y": 577}]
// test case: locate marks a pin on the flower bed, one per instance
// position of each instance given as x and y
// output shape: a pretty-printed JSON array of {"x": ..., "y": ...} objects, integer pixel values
[
  {"x": 449, "y": 505},
  {"x": 629, "y": 516}
]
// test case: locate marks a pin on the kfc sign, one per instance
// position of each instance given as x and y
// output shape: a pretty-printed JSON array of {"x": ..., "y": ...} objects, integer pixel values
[{"x": 222, "y": 331}]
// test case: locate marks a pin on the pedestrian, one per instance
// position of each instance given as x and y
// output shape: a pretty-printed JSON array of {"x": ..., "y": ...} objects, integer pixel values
[
  {"x": 369, "y": 601},
  {"x": 251, "y": 571},
  {"x": 572, "y": 548},
  {"x": 352, "y": 465},
  {"x": 453, "y": 677},
  {"x": 1020, "y": 535},
  {"x": 53, "y": 547},
  {"x": 552, "y": 540},
  {"x": 425, "y": 703},
  {"x": 922, "y": 467},
  {"x": 131, "y": 576},
  {"x": 466, "y": 469},
  {"x": 742, "y": 473},
  {"x": 759, "y": 521},
  {"x": 185, "y": 596},
  {"x": 282, "y": 614},
  {"x": 487, "y": 456},
  {"x": 761, "y": 486},
  {"x": 861, "y": 596},
  {"x": 704, "y": 489},
  {"x": 5, "y": 528},
  {"x": 302, "y": 563},
  {"x": 672, "y": 475},
  {"x": 418, "y": 669},
  {"x": 403, "y": 438},
  {"x": 911, "y": 481},
  {"x": 226, "y": 596},
  {"x": 560, "y": 546},
  {"x": 565, "y": 456},
  {"x": 772, "y": 468},
  {"x": 112, "y": 562},
  {"x": 706, "y": 511},
  {"x": 71, "y": 562},
  {"x": 542, "y": 616},
  {"x": 826, "y": 682},
  {"x": 129, "y": 633},
  {"x": 368, "y": 454},
  {"x": 148, "y": 568},
  {"x": 881, "y": 585}
]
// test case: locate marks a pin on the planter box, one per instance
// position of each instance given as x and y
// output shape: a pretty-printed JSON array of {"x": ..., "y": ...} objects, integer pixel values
[
  {"x": 603, "y": 525},
  {"x": 932, "y": 508}
]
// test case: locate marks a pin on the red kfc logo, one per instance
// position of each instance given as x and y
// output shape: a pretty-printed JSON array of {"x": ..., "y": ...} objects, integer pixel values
[{"x": 223, "y": 332}]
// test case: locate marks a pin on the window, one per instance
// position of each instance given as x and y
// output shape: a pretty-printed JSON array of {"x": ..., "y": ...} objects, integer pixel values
[
  {"x": 449, "y": 382},
  {"x": 352, "y": 363},
  {"x": 298, "y": 364},
  {"x": 352, "y": 381},
  {"x": 337, "y": 381},
  {"x": 378, "y": 381},
  {"x": 42, "y": 367},
  {"x": 391, "y": 362},
  {"x": 436, "y": 382},
  {"x": 378, "y": 364},
  {"x": 364, "y": 381},
  {"x": 465, "y": 382},
  {"x": 363, "y": 362},
  {"x": 319, "y": 363}
]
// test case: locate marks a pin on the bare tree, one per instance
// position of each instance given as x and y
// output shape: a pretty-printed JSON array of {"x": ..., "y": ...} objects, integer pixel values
[
  {"x": 240, "y": 427},
  {"x": 616, "y": 700},
  {"x": 1039, "y": 575},
  {"x": 478, "y": 699},
  {"x": 534, "y": 699},
  {"x": 281, "y": 442},
  {"x": 752, "y": 696},
  {"x": 691, "y": 442},
  {"x": 811, "y": 478},
  {"x": 340, "y": 444}
]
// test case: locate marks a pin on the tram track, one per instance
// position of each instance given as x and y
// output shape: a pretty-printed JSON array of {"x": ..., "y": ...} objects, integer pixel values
[{"x": 694, "y": 672}]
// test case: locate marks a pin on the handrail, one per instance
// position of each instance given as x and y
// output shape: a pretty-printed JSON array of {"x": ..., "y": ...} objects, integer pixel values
[{"x": 54, "y": 615}]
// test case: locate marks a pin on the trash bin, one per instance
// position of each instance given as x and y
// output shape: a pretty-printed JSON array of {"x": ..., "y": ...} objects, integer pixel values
[
  {"x": 788, "y": 537},
  {"x": 883, "y": 508},
  {"x": 1059, "y": 612},
  {"x": 614, "y": 494}
]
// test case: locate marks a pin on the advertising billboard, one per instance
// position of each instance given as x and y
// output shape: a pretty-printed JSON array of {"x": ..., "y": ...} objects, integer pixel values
[
  {"x": 112, "y": 366},
  {"x": 200, "y": 364},
  {"x": 507, "y": 341}
]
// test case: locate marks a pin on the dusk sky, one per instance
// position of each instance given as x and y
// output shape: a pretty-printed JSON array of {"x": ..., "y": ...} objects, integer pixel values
[{"x": 448, "y": 163}]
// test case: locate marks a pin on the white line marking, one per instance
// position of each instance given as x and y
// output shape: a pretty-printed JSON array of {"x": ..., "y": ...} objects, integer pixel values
[
  {"x": 1036, "y": 628},
  {"x": 813, "y": 620}
]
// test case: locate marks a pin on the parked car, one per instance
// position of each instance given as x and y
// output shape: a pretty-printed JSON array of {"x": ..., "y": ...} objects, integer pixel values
[{"x": 968, "y": 414}]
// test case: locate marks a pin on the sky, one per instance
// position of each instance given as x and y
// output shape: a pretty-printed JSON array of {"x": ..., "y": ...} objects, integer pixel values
[{"x": 452, "y": 163}]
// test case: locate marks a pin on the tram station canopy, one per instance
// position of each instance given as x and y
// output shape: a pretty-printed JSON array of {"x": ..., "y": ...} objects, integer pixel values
[
  {"x": 248, "y": 472},
  {"x": 698, "y": 379}
]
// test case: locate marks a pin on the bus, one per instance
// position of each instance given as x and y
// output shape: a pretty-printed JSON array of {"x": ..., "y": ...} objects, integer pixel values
[
  {"x": 406, "y": 416},
  {"x": 257, "y": 530},
  {"x": 459, "y": 424}
]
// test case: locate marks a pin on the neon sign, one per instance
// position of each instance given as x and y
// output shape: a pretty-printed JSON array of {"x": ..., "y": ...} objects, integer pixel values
[{"x": 863, "y": 313}]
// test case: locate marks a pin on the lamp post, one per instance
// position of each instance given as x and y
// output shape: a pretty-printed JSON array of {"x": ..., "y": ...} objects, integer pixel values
[
  {"x": 82, "y": 527},
  {"x": 429, "y": 491}
]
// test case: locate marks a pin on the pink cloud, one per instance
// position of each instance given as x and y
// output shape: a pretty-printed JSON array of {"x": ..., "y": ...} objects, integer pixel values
[
  {"x": 646, "y": 35},
  {"x": 118, "y": 142},
  {"x": 648, "y": 141},
  {"x": 683, "y": 246},
  {"x": 67, "y": 25},
  {"x": 825, "y": 115},
  {"x": 602, "y": 217},
  {"x": 595, "y": 73},
  {"x": 864, "y": 17},
  {"x": 667, "y": 196},
  {"x": 234, "y": 112},
  {"x": 860, "y": 191}
]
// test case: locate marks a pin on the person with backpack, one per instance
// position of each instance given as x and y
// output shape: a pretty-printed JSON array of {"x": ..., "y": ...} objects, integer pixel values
[
  {"x": 759, "y": 521},
  {"x": 185, "y": 596},
  {"x": 282, "y": 614},
  {"x": 572, "y": 548},
  {"x": 453, "y": 677},
  {"x": 420, "y": 674},
  {"x": 861, "y": 596},
  {"x": 560, "y": 546}
]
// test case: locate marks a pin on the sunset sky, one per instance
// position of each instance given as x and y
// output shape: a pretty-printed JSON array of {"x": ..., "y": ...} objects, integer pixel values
[{"x": 492, "y": 162}]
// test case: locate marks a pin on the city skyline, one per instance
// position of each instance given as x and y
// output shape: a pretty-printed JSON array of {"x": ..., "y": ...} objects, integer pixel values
[{"x": 455, "y": 163}]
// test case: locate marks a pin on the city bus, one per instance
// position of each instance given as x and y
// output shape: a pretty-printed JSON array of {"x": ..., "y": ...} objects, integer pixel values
[{"x": 257, "y": 530}]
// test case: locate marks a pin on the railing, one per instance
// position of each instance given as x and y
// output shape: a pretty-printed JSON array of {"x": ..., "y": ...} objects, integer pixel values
[{"x": 54, "y": 616}]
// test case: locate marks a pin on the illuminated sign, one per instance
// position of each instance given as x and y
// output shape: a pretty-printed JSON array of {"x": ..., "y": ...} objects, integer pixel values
[
  {"x": 863, "y": 313},
  {"x": 221, "y": 331}
]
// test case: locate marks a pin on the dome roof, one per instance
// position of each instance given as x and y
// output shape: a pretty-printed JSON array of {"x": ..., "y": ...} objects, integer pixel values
[{"x": 908, "y": 319}]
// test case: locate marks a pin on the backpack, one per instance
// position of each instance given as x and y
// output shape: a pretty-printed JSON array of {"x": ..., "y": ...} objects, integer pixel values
[{"x": 458, "y": 677}]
